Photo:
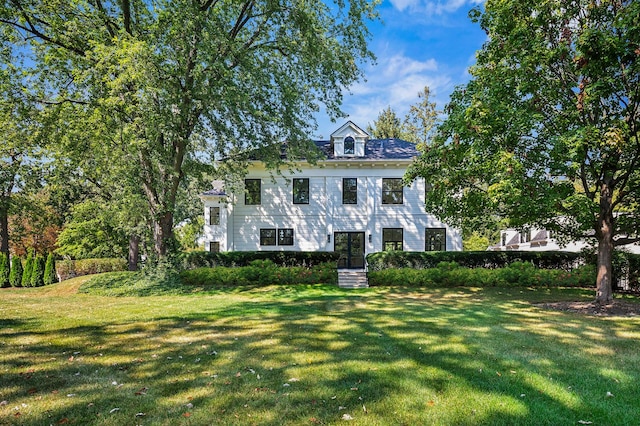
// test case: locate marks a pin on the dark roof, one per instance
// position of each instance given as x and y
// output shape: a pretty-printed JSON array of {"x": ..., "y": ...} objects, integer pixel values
[{"x": 376, "y": 149}]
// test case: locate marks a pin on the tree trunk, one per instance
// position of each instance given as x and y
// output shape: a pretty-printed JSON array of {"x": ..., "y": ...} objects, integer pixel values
[
  {"x": 134, "y": 250},
  {"x": 163, "y": 233},
  {"x": 604, "y": 234}
]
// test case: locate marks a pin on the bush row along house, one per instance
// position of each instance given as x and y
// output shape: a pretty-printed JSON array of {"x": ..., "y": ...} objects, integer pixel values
[{"x": 352, "y": 201}]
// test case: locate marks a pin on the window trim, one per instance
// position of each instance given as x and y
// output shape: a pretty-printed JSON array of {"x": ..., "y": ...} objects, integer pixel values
[
  {"x": 350, "y": 191},
  {"x": 396, "y": 242},
  {"x": 387, "y": 197},
  {"x": 212, "y": 244},
  {"x": 212, "y": 216},
  {"x": 265, "y": 240},
  {"x": 443, "y": 243},
  {"x": 300, "y": 192},
  {"x": 248, "y": 198}
]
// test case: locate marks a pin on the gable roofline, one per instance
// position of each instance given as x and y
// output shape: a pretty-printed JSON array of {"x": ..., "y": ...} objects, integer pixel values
[{"x": 349, "y": 125}]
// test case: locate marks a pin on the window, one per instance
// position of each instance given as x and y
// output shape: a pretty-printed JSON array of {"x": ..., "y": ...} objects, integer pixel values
[
  {"x": 285, "y": 237},
  {"x": 392, "y": 191},
  {"x": 214, "y": 215},
  {"x": 267, "y": 237},
  {"x": 301, "y": 191},
  {"x": 349, "y": 145},
  {"x": 253, "y": 189},
  {"x": 350, "y": 191},
  {"x": 391, "y": 239},
  {"x": 214, "y": 246},
  {"x": 435, "y": 239}
]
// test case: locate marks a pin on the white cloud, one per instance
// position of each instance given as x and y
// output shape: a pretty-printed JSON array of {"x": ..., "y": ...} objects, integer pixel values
[{"x": 433, "y": 7}]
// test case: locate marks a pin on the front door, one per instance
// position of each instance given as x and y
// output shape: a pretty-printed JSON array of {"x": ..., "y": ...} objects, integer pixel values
[{"x": 350, "y": 245}]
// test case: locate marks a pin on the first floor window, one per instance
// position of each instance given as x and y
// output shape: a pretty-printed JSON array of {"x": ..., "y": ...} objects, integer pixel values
[
  {"x": 267, "y": 237},
  {"x": 214, "y": 246},
  {"x": 285, "y": 237},
  {"x": 392, "y": 239},
  {"x": 214, "y": 215},
  {"x": 392, "y": 191},
  {"x": 435, "y": 239},
  {"x": 252, "y": 194},
  {"x": 350, "y": 191},
  {"x": 301, "y": 191}
]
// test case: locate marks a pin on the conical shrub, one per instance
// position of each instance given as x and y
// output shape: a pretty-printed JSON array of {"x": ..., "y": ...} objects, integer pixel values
[
  {"x": 15, "y": 276},
  {"x": 50, "y": 276},
  {"x": 37, "y": 274},
  {"x": 4, "y": 270},
  {"x": 28, "y": 270}
]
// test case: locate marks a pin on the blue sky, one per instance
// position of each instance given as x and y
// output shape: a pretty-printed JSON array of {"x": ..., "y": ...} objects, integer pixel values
[{"x": 418, "y": 43}]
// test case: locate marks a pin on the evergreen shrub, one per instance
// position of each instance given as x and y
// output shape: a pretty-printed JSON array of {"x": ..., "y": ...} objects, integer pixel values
[
  {"x": 15, "y": 276},
  {"x": 27, "y": 270},
  {"x": 199, "y": 259},
  {"x": 50, "y": 276},
  {"x": 4, "y": 270},
  {"x": 37, "y": 273}
]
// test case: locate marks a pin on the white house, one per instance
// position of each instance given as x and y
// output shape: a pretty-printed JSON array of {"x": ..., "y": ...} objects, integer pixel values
[{"x": 353, "y": 202}]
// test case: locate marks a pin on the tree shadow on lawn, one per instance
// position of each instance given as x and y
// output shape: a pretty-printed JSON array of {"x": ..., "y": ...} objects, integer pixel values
[{"x": 408, "y": 358}]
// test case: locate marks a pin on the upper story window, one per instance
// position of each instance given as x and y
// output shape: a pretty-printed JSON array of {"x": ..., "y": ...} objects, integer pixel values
[
  {"x": 392, "y": 239},
  {"x": 392, "y": 191},
  {"x": 349, "y": 146},
  {"x": 301, "y": 191},
  {"x": 214, "y": 215},
  {"x": 350, "y": 191},
  {"x": 435, "y": 239},
  {"x": 252, "y": 191}
]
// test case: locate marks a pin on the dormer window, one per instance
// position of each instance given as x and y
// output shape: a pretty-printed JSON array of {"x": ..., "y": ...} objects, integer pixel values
[{"x": 349, "y": 146}]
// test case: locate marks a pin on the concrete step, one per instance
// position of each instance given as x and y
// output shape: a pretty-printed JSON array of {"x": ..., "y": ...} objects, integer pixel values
[{"x": 352, "y": 279}]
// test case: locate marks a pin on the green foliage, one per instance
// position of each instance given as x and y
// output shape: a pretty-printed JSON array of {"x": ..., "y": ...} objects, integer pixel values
[
  {"x": 450, "y": 274},
  {"x": 15, "y": 276},
  {"x": 189, "y": 232},
  {"x": 50, "y": 276},
  {"x": 197, "y": 259},
  {"x": 475, "y": 242},
  {"x": 74, "y": 268},
  {"x": 37, "y": 273},
  {"x": 5, "y": 269},
  {"x": 387, "y": 125},
  {"x": 28, "y": 270},
  {"x": 261, "y": 272}
]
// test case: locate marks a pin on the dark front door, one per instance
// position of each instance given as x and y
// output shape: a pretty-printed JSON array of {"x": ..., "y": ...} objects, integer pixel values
[{"x": 350, "y": 245}]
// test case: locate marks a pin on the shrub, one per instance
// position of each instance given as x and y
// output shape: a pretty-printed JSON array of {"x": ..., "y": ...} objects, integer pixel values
[
  {"x": 37, "y": 273},
  {"x": 74, "y": 268},
  {"x": 15, "y": 276},
  {"x": 199, "y": 259},
  {"x": 4, "y": 270},
  {"x": 50, "y": 276},
  {"x": 28, "y": 270},
  {"x": 260, "y": 272}
]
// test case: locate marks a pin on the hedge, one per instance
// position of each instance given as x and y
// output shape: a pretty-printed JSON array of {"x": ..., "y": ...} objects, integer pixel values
[
  {"x": 450, "y": 274},
  {"x": 260, "y": 272},
  {"x": 200, "y": 259},
  {"x": 74, "y": 268}
]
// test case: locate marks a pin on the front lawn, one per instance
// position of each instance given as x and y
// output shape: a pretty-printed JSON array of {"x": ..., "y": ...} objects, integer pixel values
[{"x": 314, "y": 355}]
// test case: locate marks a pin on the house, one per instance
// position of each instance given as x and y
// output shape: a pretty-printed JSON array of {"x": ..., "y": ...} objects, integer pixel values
[{"x": 352, "y": 201}]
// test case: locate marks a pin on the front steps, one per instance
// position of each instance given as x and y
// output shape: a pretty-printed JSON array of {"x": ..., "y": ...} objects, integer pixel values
[{"x": 352, "y": 279}]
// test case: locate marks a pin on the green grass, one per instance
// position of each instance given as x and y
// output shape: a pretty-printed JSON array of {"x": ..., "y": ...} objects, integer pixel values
[{"x": 296, "y": 355}]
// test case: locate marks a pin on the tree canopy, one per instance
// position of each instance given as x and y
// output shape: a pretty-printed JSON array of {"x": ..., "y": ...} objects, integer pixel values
[
  {"x": 165, "y": 85},
  {"x": 546, "y": 131}
]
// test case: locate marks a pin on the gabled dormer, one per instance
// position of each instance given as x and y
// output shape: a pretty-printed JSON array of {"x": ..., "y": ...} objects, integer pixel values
[{"x": 349, "y": 141}]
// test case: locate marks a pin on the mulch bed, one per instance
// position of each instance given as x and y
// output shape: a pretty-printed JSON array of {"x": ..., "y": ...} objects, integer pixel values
[{"x": 618, "y": 308}]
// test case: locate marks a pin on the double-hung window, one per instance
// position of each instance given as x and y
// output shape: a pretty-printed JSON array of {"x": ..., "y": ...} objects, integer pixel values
[
  {"x": 214, "y": 246},
  {"x": 435, "y": 239},
  {"x": 392, "y": 239},
  {"x": 301, "y": 191},
  {"x": 268, "y": 237},
  {"x": 273, "y": 236},
  {"x": 285, "y": 237},
  {"x": 253, "y": 192},
  {"x": 214, "y": 215},
  {"x": 350, "y": 191},
  {"x": 392, "y": 191}
]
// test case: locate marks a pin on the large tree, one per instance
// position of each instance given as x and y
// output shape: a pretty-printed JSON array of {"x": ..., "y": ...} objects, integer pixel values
[
  {"x": 179, "y": 79},
  {"x": 546, "y": 131}
]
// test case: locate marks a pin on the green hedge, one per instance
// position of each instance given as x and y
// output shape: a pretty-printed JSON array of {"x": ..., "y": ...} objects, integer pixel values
[
  {"x": 450, "y": 274},
  {"x": 200, "y": 259},
  {"x": 260, "y": 272},
  {"x": 74, "y": 268},
  {"x": 474, "y": 259}
]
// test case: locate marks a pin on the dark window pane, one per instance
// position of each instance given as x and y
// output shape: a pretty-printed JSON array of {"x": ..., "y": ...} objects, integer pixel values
[
  {"x": 392, "y": 239},
  {"x": 214, "y": 246},
  {"x": 349, "y": 146},
  {"x": 267, "y": 237},
  {"x": 214, "y": 215},
  {"x": 350, "y": 191},
  {"x": 301, "y": 191},
  {"x": 285, "y": 237},
  {"x": 435, "y": 239},
  {"x": 392, "y": 191},
  {"x": 253, "y": 189}
]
